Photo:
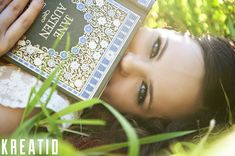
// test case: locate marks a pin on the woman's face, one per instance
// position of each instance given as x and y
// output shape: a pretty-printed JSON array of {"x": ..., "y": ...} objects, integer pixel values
[{"x": 161, "y": 75}]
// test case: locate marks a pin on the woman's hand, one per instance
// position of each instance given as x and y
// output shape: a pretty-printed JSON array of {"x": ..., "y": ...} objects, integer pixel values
[{"x": 15, "y": 20}]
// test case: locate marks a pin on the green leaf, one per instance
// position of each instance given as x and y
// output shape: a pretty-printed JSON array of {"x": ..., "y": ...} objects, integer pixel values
[
  {"x": 133, "y": 142},
  {"x": 76, "y": 107},
  {"x": 80, "y": 122},
  {"x": 37, "y": 97},
  {"x": 231, "y": 27},
  {"x": 26, "y": 126},
  {"x": 229, "y": 111},
  {"x": 143, "y": 141}
]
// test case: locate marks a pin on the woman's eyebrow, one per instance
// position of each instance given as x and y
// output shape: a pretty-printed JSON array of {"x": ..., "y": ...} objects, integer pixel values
[
  {"x": 151, "y": 95},
  {"x": 162, "y": 50}
]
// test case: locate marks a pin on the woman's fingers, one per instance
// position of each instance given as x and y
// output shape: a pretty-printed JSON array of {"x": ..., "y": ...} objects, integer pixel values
[
  {"x": 22, "y": 24},
  {"x": 11, "y": 12},
  {"x": 3, "y": 4}
]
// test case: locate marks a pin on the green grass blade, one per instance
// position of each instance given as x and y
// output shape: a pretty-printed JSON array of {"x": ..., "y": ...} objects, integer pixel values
[
  {"x": 93, "y": 122},
  {"x": 165, "y": 136},
  {"x": 133, "y": 141},
  {"x": 231, "y": 27},
  {"x": 74, "y": 132},
  {"x": 143, "y": 141},
  {"x": 230, "y": 115},
  {"x": 76, "y": 107},
  {"x": 27, "y": 125},
  {"x": 37, "y": 97},
  {"x": 68, "y": 42},
  {"x": 56, "y": 43},
  {"x": 203, "y": 141},
  {"x": 70, "y": 131},
  {"x": 53, "y": 128},
  {"x": 79, "y": 121},
  {"x": 132, "y": 137},
  {"x": 66, "y": 149}
]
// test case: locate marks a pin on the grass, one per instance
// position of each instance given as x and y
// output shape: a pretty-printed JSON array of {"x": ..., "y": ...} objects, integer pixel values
[
  {"x": 29, "y": 127},
  {"x": 52, "y": 121}
]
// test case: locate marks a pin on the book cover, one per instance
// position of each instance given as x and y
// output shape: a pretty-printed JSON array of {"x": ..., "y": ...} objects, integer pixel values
[{"x": 100, "y": 31}]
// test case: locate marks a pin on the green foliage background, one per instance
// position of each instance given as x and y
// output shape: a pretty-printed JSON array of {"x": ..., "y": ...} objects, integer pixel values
[{"x": 216, "y": 17}]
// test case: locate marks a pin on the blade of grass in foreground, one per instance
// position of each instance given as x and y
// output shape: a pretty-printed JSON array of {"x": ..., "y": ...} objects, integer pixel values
[
  {"x": 94, "y": 122},
  {"x": 133, "y": 141},
  {"x": 75, "y": 107},
  {"x": 203, "y": 141},
  {"x": 66, "y": 149},
  {"x": 74, "y": 132},
  {"x": 53, "y": 128},
  {"x": 26, "y": 126},
  {"x": 182, "y": 148},
  {"x": 230, "y": 115},
  {"x": 143, "y": 141},
  {"x": 37, "y": 97},
  {"x": 34, "y": 97}
]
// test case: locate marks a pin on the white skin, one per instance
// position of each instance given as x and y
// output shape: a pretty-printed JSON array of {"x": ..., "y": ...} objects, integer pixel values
[
  {"x": 176, "y": 72},
  {"x": 173, "y": 75}
]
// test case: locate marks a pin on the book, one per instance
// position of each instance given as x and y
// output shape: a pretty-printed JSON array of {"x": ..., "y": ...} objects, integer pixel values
[{"x": 99, "y": 33}]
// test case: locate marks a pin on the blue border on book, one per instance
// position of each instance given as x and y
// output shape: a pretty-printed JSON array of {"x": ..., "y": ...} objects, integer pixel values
[{"x": 114, "y": 48}]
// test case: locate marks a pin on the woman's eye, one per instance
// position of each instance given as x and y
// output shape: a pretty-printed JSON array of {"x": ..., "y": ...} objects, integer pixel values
[
  {"x": 156, "y": 48},
  {"x": 142, "y": 93}
]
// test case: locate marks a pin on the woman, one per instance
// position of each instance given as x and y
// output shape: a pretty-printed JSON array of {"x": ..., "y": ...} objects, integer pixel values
[
  {"x": 163, "y": 75},
  {"x": 169, "y": 82}
]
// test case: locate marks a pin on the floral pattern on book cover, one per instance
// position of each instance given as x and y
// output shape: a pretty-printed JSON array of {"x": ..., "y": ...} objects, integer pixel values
[{"x": 103, "y": 22}]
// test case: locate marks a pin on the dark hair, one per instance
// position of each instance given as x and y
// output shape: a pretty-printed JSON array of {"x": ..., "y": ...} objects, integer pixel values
[
  {"x": 219, "y": 58},
  {"x": 219, "y": 82}
]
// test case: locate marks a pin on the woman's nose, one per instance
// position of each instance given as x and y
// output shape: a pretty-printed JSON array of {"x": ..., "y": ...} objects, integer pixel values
[{"x": 133, "y": 64}]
